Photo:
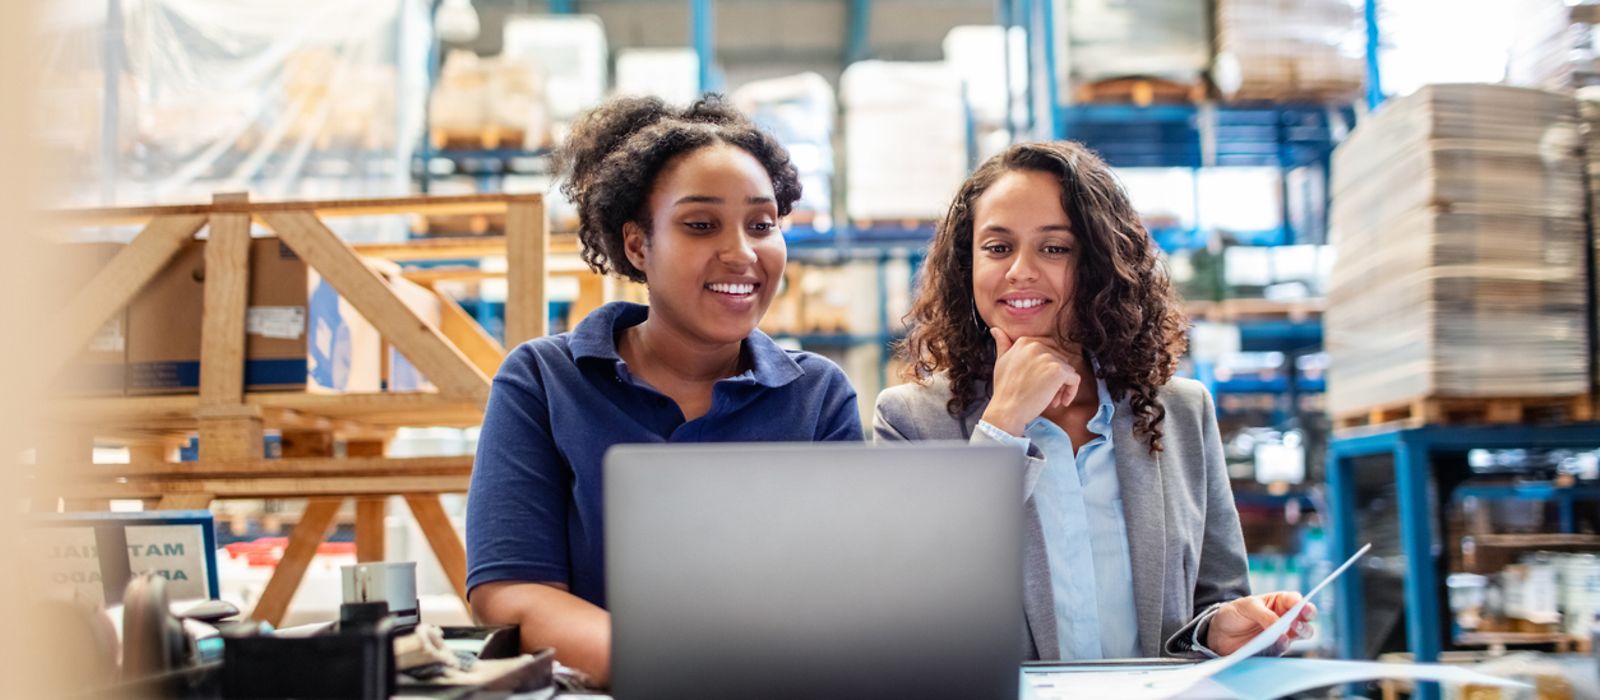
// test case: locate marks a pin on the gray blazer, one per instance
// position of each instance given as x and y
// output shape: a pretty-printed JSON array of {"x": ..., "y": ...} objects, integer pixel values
[{"x": 1187, "y": 550}]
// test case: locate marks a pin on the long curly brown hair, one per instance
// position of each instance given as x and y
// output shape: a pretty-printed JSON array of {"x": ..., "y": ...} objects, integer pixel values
[{"x": 1127, "y": 316}]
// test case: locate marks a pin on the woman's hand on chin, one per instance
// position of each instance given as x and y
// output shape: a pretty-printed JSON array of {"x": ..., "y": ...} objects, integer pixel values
[{"x": 1031, "y": 376}]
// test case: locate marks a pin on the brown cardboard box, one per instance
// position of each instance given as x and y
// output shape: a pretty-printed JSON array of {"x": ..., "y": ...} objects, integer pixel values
[
  {"x": 99, "y": 366},
  {"x": 299, "y": 334}
]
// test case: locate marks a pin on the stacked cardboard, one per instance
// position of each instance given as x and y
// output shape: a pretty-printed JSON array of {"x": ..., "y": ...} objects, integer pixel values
[
  {"x": 905, "y": 139},
  {"x": 1589, "y": 109},
  {"x": 1458, "y": 214},
  {"x": 1289, "y": 50}
]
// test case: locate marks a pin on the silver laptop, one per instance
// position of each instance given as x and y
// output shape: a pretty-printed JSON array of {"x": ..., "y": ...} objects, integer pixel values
[{"x": 814, "y": 571}]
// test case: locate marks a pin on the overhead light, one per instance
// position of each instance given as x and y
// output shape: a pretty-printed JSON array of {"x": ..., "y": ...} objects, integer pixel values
[{"x": 457, "y": 21}]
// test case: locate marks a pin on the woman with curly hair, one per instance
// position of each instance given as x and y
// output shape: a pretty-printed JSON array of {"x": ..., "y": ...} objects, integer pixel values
[
  {"x": 686, "y": 201},
  {"x": 1045, "y": 321}
]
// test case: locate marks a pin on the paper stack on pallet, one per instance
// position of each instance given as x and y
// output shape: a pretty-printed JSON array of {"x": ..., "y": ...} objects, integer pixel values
[
  {"x": 1289, "y": 49},
  {"x": 1458, "y": 214},
  {"x": 497, "y": 102},
  {"x": 1589, "y": 110}
]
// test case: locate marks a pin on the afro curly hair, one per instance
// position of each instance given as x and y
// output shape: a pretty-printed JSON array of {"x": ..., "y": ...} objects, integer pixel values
[{"x": 614, "y": 153}]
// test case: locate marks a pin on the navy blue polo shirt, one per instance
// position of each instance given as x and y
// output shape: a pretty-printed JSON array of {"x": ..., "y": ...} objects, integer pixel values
[{"x": 561, "y": 401}]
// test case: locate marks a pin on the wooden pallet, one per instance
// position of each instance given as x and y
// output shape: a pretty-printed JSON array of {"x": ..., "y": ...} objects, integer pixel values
[
  {"x": 456, "y": 356},
  {"x": 459, "y": 225},
  {"x": 1458, "y": 411},
  {"x": 486, "y": 138},
  {"x": 1140, "y": 91},
  {"x": 886, "y": 227},
  {"x": 1230, "y": 310}
]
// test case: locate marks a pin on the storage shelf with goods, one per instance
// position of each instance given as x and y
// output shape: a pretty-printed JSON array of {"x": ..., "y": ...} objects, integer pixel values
[
  {"x": 1450, "y": 463},
  {"x": 1459, "y": 357},
  {"x": 375, "y": 352},
  {"x": 1532, "y": 581}
]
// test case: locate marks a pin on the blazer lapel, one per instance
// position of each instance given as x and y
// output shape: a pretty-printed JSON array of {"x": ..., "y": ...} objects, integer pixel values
[{"x": 1144, "y": 510}]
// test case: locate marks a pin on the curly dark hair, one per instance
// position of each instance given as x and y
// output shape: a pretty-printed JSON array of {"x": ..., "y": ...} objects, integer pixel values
[
  {"x": 1126, "y": 314},
  {"x": 615, "y": 151}
]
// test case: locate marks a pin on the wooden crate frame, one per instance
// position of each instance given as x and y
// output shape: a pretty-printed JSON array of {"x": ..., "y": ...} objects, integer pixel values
[{"x": 457, "y": 356}]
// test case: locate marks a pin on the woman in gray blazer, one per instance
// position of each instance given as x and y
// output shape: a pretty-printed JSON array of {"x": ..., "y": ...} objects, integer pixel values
[{"x": 1045, "y": 320}]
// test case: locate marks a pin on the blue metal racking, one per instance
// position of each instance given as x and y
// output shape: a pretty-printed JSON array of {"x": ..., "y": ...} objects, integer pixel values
[{"x": 1413, "y": 451}]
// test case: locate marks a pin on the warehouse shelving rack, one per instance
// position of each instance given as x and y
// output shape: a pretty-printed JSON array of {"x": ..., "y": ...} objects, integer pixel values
[{"x": 1413, "y": 451}]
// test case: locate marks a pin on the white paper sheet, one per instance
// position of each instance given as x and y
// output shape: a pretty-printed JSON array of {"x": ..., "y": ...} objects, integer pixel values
[
  {"x": 1220, "y": 677},
  {"x": 1264, "y": 678}
]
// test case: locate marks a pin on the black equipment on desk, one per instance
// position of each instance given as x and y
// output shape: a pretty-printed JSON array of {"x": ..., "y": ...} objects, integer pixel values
[{"x": 356, "y": 661}]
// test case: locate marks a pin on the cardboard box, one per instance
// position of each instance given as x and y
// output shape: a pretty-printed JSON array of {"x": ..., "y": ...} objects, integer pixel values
[
  {"x": 99, "y": 366},
  {"x": 299, "y": 335},
  {"x": 404, "y": 376}
]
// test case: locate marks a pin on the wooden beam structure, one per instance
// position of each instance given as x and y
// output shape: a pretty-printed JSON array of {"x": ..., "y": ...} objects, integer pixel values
[{"x": 457, "y": 356}]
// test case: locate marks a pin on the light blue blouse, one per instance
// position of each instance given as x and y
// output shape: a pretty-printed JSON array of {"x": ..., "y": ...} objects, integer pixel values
[{"x": 1091, "y": 577}]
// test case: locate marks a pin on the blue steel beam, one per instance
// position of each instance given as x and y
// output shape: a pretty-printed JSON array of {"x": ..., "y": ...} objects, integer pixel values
[
  {"x": 1047, "y": 23},
  {"x": 1348, "y": 608},
  {"x": 703, "y": 32},
  {"x": 1374, "y": 44},
  {"x": 1416, "y": 543},
  {"x": 857, "y": 46}
]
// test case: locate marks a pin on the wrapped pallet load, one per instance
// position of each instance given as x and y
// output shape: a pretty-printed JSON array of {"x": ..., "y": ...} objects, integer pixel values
[
  {"x": 1289, "y": 50},
  {"x": 459, "y": 101},
  {"x": 570, "y": 50},
  {"x": 799, "y": 110},
  {"x": 488, "y": 102},
  {"x": 905, "y": 139},
  {"x": 1167, "y": 39},
  {"x": 1458, "y": 214}
]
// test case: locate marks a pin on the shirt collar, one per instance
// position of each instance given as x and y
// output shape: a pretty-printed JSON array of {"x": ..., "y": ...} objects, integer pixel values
[
  {"x": 1100, "y": 422},
  {"x": 596, "y": 337}
]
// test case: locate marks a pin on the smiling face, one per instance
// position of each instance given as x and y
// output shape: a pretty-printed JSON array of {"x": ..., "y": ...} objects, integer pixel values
[
  {"x": 1023, "y": 255},
  {"x": 714, "y": 254}
]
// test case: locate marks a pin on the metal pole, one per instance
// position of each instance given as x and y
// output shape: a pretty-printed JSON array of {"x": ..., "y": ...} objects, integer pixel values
[
  {"x": 1047, "y": 24},
  {"x": 702, "y": 28},
  {"x": 111, "y": 108},
  {"x": 1004, "y": 18},
  {"x": 1374, "y": 79},
  {"x": 1348, "y": 607},
  {"x": 857, "y": 45},
  {"x": 1416, "y": 542}
]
